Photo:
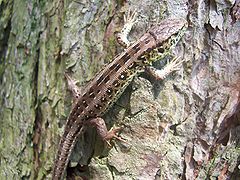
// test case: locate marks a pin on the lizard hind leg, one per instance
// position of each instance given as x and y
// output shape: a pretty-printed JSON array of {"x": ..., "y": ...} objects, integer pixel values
[
  {"x": 76, "y": 91},
  {"x": 130, "y": 18},
  {"x": 102, "y": 131}
]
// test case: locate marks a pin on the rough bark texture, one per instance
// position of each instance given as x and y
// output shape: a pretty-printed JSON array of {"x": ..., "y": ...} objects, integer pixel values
[{"x": 184, "y": 127}]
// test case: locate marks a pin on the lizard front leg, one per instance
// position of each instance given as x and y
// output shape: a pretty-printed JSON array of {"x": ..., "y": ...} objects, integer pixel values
[
  {"x": 174, "y": 65},
  {"x": 129, "y": 21}
]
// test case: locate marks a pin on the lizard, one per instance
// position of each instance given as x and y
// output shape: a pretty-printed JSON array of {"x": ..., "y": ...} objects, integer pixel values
[{"x": 107, "y": 86}]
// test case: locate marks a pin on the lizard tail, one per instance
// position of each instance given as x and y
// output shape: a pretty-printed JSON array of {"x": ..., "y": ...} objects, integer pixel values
[{"x": 65, "y": 148}]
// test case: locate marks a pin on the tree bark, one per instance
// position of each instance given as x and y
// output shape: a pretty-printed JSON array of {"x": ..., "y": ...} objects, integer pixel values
[{"x": 184, "y": 127}]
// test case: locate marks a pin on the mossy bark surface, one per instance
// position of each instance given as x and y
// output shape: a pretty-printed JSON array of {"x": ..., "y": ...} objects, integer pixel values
[{"x": 184, "y": 127}]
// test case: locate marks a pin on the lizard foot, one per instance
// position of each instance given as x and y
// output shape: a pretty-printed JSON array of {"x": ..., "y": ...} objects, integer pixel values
[
  {"x": 76, "y": 91},
  {"x": 174, "y": 65},
  {"x": 102, "y": 131},
  {"x": 130, "y": 18}
]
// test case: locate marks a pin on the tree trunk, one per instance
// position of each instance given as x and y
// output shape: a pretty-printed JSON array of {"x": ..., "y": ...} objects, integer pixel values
[{"x": 184, "y": 127}]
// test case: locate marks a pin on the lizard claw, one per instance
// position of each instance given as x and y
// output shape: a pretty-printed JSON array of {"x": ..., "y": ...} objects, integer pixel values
[
  {"x": 174, "y": 65},
  {"x": 112, "y": 134},
  {"x": 70, "y": 81},
  {"x": 76, "y": 91},
  {"x": 130, "y": 17},
  {"x": 129, "y": 20}
]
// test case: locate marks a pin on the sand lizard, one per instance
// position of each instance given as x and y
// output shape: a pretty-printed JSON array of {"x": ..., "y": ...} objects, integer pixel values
[{"x": 106, "y": 87}]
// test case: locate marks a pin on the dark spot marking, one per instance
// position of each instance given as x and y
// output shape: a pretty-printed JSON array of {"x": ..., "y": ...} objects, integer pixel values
[
  {"x": 136, "y": 48},
  {"x": 145, "y": 62},
  {"x": 116, "y": 83},
  {"x": 159, "y": 44},
  {"x": 79, "y": 112},
  {"x": 100, "y": 79},
  {"x": 91, "y": 112},
  {"x": 142, "y": 58},
  {"x": 161, "y": 50},
  {"x": 103, "y": 99},
  {"x": 91, "y": 95},
  {"x": 126, "y": 57},
  {"x": 98, "y": 91},
  {"x": 85, "y": 103},
  {"x": 118, "y": 66},
  {"x": 107, "y": 78},
  {"x": 109, "y": 91},
  {"x": 132, "y": 65},
  {"x": 122, "y": 76},
  {"x": 112, "y": 66},
  {"x": 97, "y": 106},
  {"x": 148, "y": 50},
  {"x": 147, "y": 41},
  {"x": 70, "y": 141}
]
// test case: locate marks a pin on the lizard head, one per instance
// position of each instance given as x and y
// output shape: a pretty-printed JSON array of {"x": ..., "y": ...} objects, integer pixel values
[
  {"x": 168, "y": 32},
  {"x": 166, "y": 35}
]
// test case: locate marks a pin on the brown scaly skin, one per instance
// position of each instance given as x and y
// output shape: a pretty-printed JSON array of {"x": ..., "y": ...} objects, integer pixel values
[{"x": 106, "y": 87}]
